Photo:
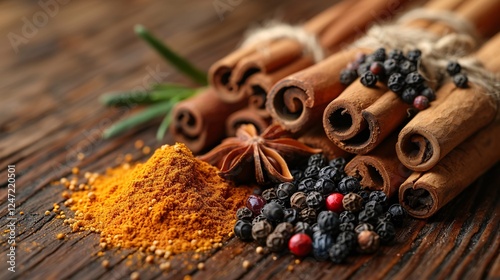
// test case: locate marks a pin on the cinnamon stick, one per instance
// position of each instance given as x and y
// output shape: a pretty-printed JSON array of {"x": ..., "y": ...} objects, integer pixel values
[
  {"x": 378, "y": 119},
  {"x": 342, "y": 118},
  {"x": 433, "y": 133},
  {"x": 198, "y": 121},
  {"x": 423, "y": 194},
  {"x": 316, "y": 138},
  {"x": 333, "y": 28},
  {"x": 380, "y": 169},
  {"x": 298, "y": 101},
  {"x": 230, "y": 74},
  {"x": 246, "y": 116}
]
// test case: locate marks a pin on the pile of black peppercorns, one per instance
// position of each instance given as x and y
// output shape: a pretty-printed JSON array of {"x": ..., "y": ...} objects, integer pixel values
[
  {"x": 322, "y": 211},
  {"x": 399, "y": 73}
]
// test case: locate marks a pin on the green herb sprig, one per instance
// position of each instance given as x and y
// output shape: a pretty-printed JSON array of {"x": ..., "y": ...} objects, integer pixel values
[{"x": 160, "y": 98}]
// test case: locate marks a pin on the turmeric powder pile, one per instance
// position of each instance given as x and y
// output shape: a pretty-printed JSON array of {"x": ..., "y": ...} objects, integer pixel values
[{"x": 173, "y": 202}]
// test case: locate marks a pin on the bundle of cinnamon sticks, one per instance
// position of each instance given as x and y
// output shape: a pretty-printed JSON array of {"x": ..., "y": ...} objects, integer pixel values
[{"x": 425, "y": 159}]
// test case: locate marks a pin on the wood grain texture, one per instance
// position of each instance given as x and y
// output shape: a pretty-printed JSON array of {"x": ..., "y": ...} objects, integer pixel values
[{"x": 49, "y": 112}]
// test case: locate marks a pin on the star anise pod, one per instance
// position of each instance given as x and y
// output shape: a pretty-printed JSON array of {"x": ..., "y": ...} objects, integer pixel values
[{"x": 250, "y": 155}]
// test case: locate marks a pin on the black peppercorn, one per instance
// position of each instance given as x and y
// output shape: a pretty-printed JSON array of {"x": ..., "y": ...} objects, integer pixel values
[
  {"x": 414, "y": 79},
  {"x": 347, "y": 217},
  {"x": 273, "y": 211},
  {"x": 396, "y": 54},
  {"x": 368, "y": 216},
  {"x": 298, "y": 200},
  {"x": 368, "y": 241},
  {"x": 378, "y": 196},
  {"x": 375, "y": 206},
  {"x": 363, "y": 226},
  {"x": 338, "y": 163},
  {"x": 460, "y": 80},
  {"x": 453, "y": 68},
  {"x": 396, "y": 82},
  {"x": 352, "y": 202},
  {"x": 321, "y": 244},
  {"x": 279, "y": 202},
  {"x": 291, "y": 215},
  {"x": 318, "y": 160},
  {"x": 331, "y": 173},
  {"x": 391, "y": 66},
  {"x": 348, "y": 238},
  {"x": 306, "y": 185},
  {"x": 324, "y": 186},
  {"x": 275, "y": 242},
  {"x": 338, "y": 252},
  {"x": 269, "y": 194},
  {"x": 414, "y": 55},
  {"x": 244, "y": 214},
  {"x": 315, "y": 228},
  {"x": 328, "y": 221},
  {"x": 347, "y": 76},
  {"x": 429, "y": 93},
  {"x": 285, "y": 229},
  {"x": 365, "y": 195},
  {"x": 303, "y": 227},
  {"x": 308, "y": 215},
  {"x": 311, "y": 171},
  {"x": 379, "y": 54},
  {"x": 315, "y": 200},
  {"x": 368, "y": 79},
  {"x": 406, "y": 67},
  {"x": 348, "y": 184},
  {"x": 297, "y": 176},
  {"x": 260, "y": 231},
  {"x": 285, "y": 190},
  {"x": 259, "y": 218},
  {"x": 398, "y": 213},
  {"x": 409, "y": 95},
  {"x": 243, "y": 230},
  {"x": 346, "y": 226},
  {"x": 386, "y": 231}
]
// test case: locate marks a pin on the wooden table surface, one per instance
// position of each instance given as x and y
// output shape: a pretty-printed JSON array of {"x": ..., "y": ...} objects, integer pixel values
[{"x": 56, "y": 62}]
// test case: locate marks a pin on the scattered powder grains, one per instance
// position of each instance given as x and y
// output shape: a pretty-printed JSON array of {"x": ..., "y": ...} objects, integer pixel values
[{"x": 173, "y": 202}]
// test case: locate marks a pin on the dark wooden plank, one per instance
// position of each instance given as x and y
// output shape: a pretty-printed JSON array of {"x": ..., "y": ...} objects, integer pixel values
[{"x": 49, "y": 112}]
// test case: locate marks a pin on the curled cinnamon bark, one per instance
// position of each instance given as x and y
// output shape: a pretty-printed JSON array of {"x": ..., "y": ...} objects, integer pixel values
[
  {"x": 435, "y": 132},
  {"x": 198, "y": 121},
  {"x": 380, "y": 169},
  {"x": 423, "y": 194},
  {"x": 333, "y": 28},
  {"x": 298, "y": 101}
]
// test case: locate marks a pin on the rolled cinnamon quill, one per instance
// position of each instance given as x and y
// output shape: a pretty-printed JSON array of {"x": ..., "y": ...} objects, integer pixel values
[
  {"x": 361, "y": 118},
  {"x": 423, "y": 194},
  {"x": 334, "y": 27},
  {"x": 435, "y": 132},
  {"x": 199, "y": 121},
  {"x": 380, "y": 169}
]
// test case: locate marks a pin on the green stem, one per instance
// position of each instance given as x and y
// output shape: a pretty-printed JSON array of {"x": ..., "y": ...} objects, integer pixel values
[
  {"x": 158, "y": 94},
  {"x": 165, "y": 123},
  {"x": 142, "y": 117},
  {"x": 179, "y": 62}
]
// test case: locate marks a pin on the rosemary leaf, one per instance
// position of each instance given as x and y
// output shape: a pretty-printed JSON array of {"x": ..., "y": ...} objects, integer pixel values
[
  {"x": 179, "y": 62},
  {"x": 159, "y": 94},
  {"x": 148, "y": 114},
  {"x": 165, "y": 123}
]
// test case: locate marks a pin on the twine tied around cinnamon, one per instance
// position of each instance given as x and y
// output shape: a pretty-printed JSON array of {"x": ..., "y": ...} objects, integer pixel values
[
  {"x": 275, "y": 30},
  {"x": 436, "y": 51}
]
